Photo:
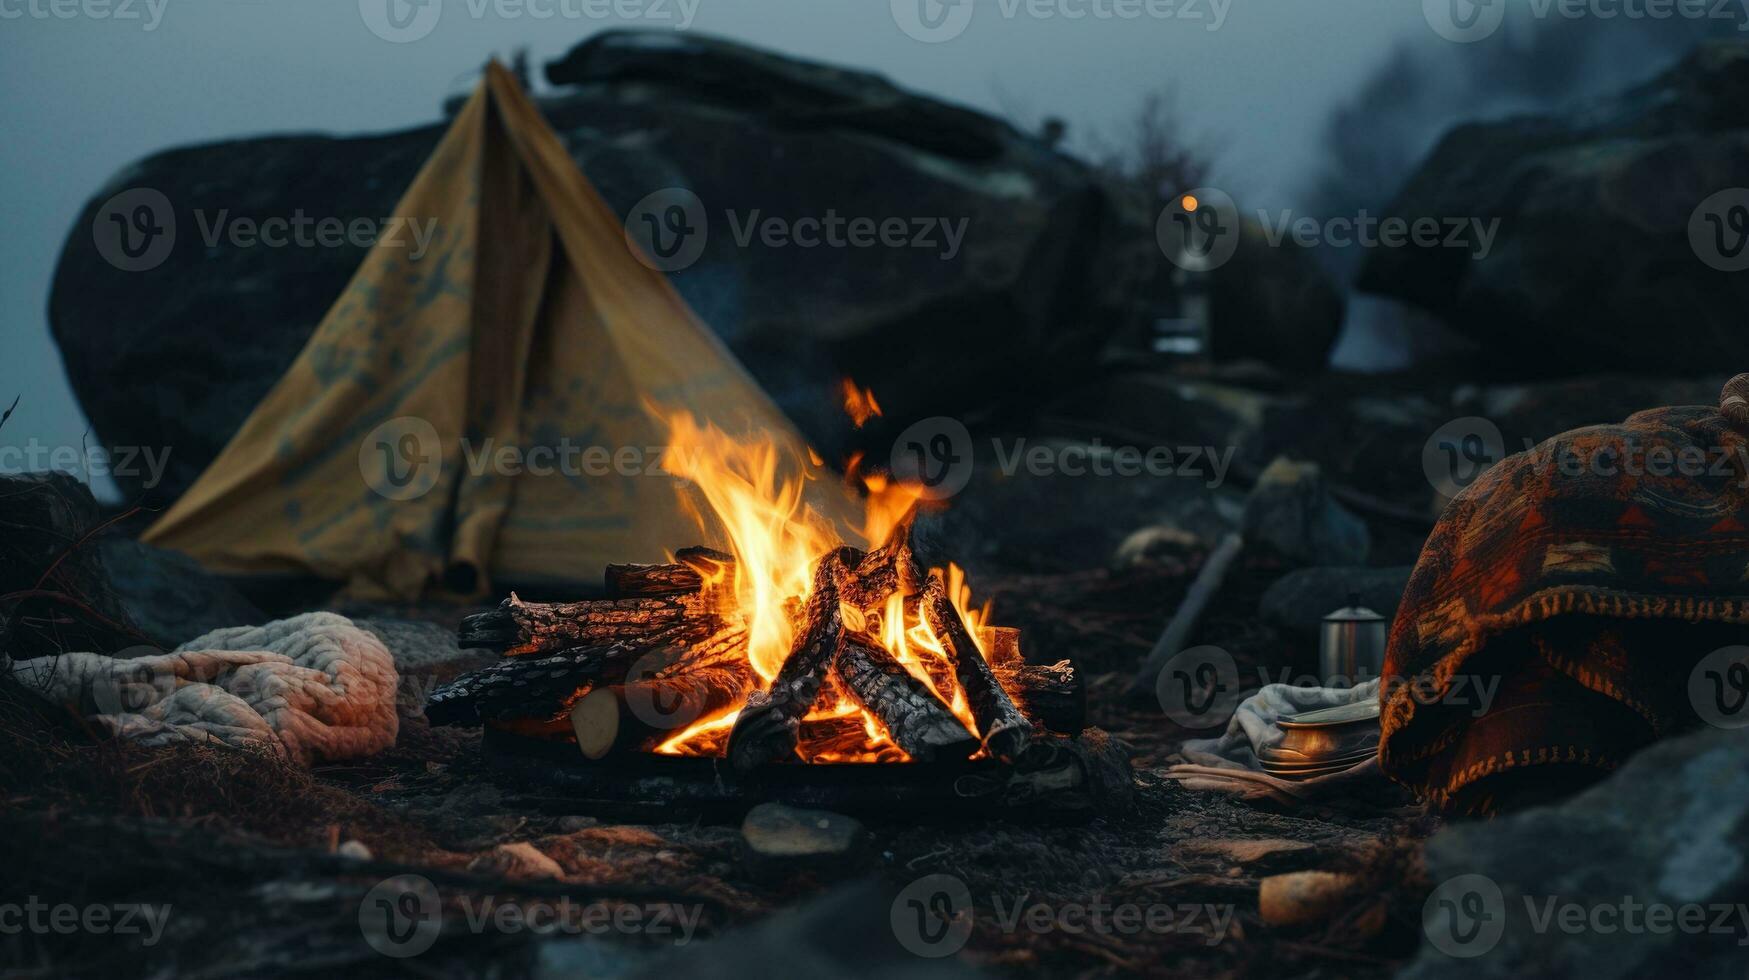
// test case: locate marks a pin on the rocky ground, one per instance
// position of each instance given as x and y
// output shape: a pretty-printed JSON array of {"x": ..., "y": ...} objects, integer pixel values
[{"x": 266, "y": 866}]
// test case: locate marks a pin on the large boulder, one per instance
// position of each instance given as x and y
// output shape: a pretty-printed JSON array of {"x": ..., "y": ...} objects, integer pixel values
[
  {"x": 178, "y": 355},
  {"x": 1593, "y": 266},
  {"x": 1641, "y": 875}
]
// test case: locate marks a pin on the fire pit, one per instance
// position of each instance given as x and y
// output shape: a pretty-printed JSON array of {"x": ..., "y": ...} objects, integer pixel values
[{"x": 792, "y": 665}]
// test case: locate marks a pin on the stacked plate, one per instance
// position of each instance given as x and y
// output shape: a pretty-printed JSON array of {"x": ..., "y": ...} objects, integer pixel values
[{"x": 1322, "y": 742}]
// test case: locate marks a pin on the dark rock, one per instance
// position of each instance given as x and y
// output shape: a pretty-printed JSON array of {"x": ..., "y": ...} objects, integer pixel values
[
  {"x": 1670, "y": 829},
  {"x": 1024, "y": 306},
  {"x": 1056, "y": 521},
  {"x": 170, "y": 595},
  {"x": 1149, "y": 409},
  {"x": 1593, "y": 266},
  {"x": 1291, "y": 515},
  {"x": 1530, "y": 413},
  {"x": 50, "y": 558},
  {"x": 1299, "y": 601},
  {"x": 1273, "y": 303}
]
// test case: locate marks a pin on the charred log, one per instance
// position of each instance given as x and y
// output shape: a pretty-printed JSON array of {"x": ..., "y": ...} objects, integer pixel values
[
  {"x": 544, "y": 688},
  {"x": 888, "y": 569},
  {"x": 913, "y": 716},
  {"x": 518, "y": 628},
  {"x": 768, "y": 727},
  {"x": 1004, "y": 728}
]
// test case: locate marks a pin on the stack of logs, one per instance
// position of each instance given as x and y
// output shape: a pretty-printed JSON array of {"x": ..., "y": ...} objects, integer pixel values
[{"x": 665, "y": 649}]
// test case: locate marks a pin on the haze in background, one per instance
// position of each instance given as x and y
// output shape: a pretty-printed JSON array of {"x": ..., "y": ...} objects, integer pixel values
[{"x": 87, "y": 96}]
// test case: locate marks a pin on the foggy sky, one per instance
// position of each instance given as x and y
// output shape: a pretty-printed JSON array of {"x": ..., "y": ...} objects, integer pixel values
[{"x": 86, "y": 96}]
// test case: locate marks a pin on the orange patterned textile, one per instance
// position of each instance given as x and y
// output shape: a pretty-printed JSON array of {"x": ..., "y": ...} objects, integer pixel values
[{"x": 1576, "y": 585}]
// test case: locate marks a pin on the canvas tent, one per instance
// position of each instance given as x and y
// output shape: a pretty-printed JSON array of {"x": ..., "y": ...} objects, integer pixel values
[{"x": 378, "y": 459}]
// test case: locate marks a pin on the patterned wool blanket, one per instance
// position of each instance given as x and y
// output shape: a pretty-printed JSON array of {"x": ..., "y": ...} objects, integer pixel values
[{"x": 1566, "y": 572}]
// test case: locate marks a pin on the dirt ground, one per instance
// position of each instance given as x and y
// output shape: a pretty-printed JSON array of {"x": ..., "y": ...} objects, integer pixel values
[{"x": 254, "y": 858}]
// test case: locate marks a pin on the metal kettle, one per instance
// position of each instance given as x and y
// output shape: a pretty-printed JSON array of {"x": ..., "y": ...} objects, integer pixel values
[{"x": 1351, "y": 646}]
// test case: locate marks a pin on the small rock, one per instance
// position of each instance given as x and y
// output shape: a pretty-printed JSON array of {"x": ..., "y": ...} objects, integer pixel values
[
  {"x": 776, "y": 830},
  {"x": 519, "y": 861},
  {"x": 1303, "y": 897},
  {"x": 572, "y": 824},
  {"x": 354, "y": 851},
  {"x": 1160, "y": 544},
  {"x": 1290, "y": 513}
]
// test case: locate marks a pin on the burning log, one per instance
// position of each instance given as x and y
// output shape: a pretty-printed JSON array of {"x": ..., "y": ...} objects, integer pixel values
[
  {"x": 913, "y": 716},
  {"x": 544, "y": 688},
  {"x": 888, "y": 569},
  {"x": 637, "y": 714},
  {"x": 1005, "y": 729},
  {"x": 768, "y": 727},
  {"x": 686, "y": 574}
]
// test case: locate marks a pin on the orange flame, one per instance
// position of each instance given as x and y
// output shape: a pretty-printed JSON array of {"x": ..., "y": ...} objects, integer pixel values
[
  {"x": 859, "y": 402},
  {"x": 771, "y": 506}
]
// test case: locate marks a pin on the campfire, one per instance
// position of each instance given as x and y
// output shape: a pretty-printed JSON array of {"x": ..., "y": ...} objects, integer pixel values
[{"x": 794, "y": 645}]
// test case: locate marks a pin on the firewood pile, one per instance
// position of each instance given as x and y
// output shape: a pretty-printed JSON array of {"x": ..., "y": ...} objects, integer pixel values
[{"x": 661, "y": 667}]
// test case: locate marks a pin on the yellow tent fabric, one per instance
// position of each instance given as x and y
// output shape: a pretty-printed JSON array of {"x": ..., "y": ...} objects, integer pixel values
[{"x": 378, "y": 459}]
